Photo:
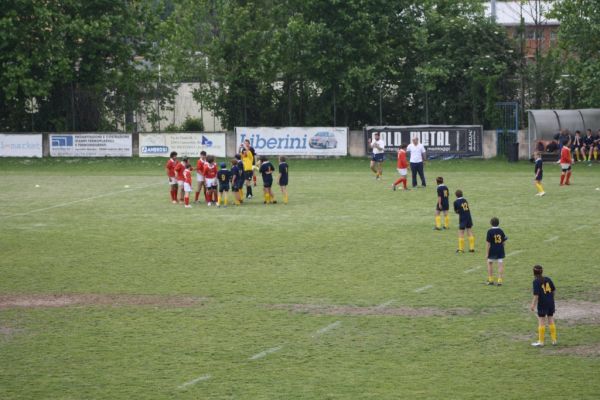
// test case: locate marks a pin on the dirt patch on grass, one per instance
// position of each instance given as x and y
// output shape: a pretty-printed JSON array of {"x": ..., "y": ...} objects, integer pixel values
[
  {"x": 588, "y": 350},
  {"x": 578, "y": 312},
  {"x": 7, "y": 332},
  {"x": 116, "y": 300},
  {"x": 354, "y": 310}
]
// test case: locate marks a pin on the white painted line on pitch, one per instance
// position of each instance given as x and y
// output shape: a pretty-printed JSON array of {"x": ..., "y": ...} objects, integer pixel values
[
  {"x": 552, "y": 239},
  {"x": 194, "y": 381},
  {"x": 468, "y": 271},
  {"x": 578, "y": 228},
  {"x": 77, "y": 201},
  {"x": 327, "y": 328},
  {"x": 514, "y": 253},
  {"x": 387, "y": 303},
  {"x": 421, "y": 289},
  {"x": 265, "y": 353}
]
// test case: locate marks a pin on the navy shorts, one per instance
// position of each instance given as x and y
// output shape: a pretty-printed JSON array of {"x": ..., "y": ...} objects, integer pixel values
[
  {"x": 545, "y": 311},
  {"x": 465, "y": 225},
  {"x": 283, "y": 182},
  {"x": 539, "y": 177},
  {"x": 378, "y": 157},
  {"x": 445, "y": 207},
  {"x": 268, "y": 184},
  {"x": 248, "y": 175},
  {"x": 224, "y": 188},
  {"x": 496, "y": 255}
]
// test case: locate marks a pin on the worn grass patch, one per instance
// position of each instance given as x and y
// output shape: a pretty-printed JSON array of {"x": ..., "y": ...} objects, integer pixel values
[
  {"x": 115, "y": 300},
  {"x": 317, "y": 309}
]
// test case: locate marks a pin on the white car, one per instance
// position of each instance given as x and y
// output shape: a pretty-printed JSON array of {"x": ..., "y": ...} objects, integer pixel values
[{"x": 323, "y": 140}]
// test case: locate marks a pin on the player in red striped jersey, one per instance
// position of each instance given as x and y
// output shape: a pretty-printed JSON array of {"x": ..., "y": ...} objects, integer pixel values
[
  {"x": 187, "y": 185},
  {"x": 170, "y": 167},
  {"x": 210, "y": 178},
  {"x": 200, "y": 175}
]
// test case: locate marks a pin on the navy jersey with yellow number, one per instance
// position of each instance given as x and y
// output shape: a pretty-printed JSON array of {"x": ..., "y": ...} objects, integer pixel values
[
  {"x": 266, "y": 169},
  {"x": 442, "y": 192},
  {"x": 496, "y": 238},
  {"x": 539, "y": 169},
  {"x": 461, "y": 207},
  {"x": 544, "y": 289},
  {"x": 283, "y": 172},
  {"x": 224, "y": 176}
]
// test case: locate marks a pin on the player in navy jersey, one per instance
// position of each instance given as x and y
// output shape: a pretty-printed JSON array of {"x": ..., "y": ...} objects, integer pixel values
[
  {"x": 543, "y": 300},
  {"x": 461, "y": 207},
  {"x": 442, "y": 205},
  {"x": 223, "y": 176},
  {"x": 237, "y": 179},
  {"x": 238, "y": 157},
  {"x": 266, "y": 169},
  {"x": 283, "y": 178},
  {"x": 539, "y": 174},
  {"x": 495, "y": 251}
]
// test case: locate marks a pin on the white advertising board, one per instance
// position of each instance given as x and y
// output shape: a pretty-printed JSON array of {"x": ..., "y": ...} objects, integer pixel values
[
  {"x": 185, "y": 144},
  {"x": 20, "y": 145},
  {"x": 91, "y": 145},
  {"x": 318, "y": 141}
]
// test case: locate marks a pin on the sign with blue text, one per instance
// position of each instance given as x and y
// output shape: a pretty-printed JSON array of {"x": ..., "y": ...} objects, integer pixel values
[
  {"x": 439, "y": 140},
  {"x": 91, "y": 145},
  {"x": 20, "y": 145},
  {"x": 185, "y": 144},
  {"x": 295, "y": 141}
]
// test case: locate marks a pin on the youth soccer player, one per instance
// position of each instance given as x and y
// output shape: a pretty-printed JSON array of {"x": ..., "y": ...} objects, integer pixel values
[
  {"x": 576, "y": 146},
  {"x": 170, "y": 167},
  {"x": 543, "y": 300},
  {"x": 200, "y": 175},
  {"x": 495, "y": 251},
  {"x": 283, "y": 178},
  {"x": 587, "y": 146},
  {"x": 402, "y": 167},
  {"x": 224, "y": 176},
  {"x": 461, "y": 207},
  {"x": 539, "y": 174},
  {"x": 210, "y": 178},
  {"x": 179, "y": 168},
  {"x": 187, "y": 185},
  {"x": 442, "y": 206},
  {"x": 237, "y": 180},
  {"x": 565, "y": 162},
  {"x": 266, "y": 169}
]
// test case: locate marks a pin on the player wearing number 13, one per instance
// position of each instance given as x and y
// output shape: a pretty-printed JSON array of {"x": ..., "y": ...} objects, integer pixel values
[
  {"x": 495, "y": 251},
  {"x": 461, "y": 207}
]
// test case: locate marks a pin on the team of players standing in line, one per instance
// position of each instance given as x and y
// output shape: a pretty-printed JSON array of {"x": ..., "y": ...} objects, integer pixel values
[
  {"x": 543, "y": 287},
  {"x": 215, "y": 181}
]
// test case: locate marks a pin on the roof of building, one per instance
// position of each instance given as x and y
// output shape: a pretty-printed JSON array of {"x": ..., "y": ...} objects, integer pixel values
[{"x": 508, "y": 13}]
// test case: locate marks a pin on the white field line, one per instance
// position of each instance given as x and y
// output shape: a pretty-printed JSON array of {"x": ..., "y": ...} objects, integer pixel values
[
  {"x": 265, "y": 353},
  {"x": 468, "y": 271},
  {"x": 552, "y": 239},
  {"x": 514, "y": 253},
  {"x": 77, "y": 201},
  {"x": 387, "y": 303},
  {"x": 327, "y": 328},
  {"x": 194, "y": 381},
  {"x": 421, "y": 289},
  {"x": 580, "y": 227}
]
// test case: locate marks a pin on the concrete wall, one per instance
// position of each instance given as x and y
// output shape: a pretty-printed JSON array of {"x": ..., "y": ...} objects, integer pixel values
[
  {"x": 356, "y": 144},
  {"x": 489, "y": 144}
]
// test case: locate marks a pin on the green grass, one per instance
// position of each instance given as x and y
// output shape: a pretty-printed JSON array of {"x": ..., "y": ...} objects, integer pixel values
[{"x": 343, "y": 240}]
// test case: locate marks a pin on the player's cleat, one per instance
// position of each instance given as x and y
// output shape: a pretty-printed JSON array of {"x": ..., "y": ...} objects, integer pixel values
[
  {"x": 249, "y": 196},
  {"x": 435, "y": 228},
  {"x": 459, "y": 251},
  {"x": 218, "y": 205},
  {"x": 265, "y": 202},
  {"x": 209, "y": 204},
  {"x": 445, "y": 228},
  {"x": 542, "y": 193},
  {"x": 471, "y": 251},
  {"x": 489, "y": 283},
  {"x": 188, "y": 206},
  {"x": 537, "y": 344},
  {"x": 274, "y": 201},
  {"x": 393, "y": 187},
  {"x": 554, "y": 343},
  {"x": 174, "y": 201},
  {"x": 499, "y": 284}
]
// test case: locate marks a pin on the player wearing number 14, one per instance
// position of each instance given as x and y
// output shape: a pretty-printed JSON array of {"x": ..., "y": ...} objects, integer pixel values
[{"x": 495, "y": 251}]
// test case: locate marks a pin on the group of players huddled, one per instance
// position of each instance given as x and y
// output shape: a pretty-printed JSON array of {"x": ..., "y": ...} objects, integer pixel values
[{"x": 215, "y": 181}]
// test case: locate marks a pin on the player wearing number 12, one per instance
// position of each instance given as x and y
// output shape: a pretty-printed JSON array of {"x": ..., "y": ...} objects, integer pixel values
[
  {"x": 495, "y": 251},
  {"x": 461, "y": 207}
]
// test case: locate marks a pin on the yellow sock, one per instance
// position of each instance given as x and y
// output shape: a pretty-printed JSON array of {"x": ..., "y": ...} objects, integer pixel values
[
  {"x": 225, "y": 200},
  {"x": 553, "y": 332},
  {"x": 490, "y": 279},
  {"x": 539, "y": 187},
  {"x": 541, "y": 333},
  {"x": 499, "y": 281},
  {"x": 595, "y": 154},
  {"x": 219, "y": 199},
  {"x": 242, "y": 193},
  {"x": 285, "y": 198},
  {"x": 267, "y": 197},
  {"x": 446, "y": 221},
  {"x": 471, "y": 242},
  {"x": 461, "y": 244},
  {"x": 438, "y": 222}
]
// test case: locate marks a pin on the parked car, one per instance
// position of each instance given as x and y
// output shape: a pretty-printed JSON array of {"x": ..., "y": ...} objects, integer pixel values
[{"x": 323, "y": 140}]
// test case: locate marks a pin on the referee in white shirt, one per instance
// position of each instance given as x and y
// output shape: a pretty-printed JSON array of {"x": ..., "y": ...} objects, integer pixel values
[
  {"x": 417, "y": 158},
  {"x": 378, "y": 146}
]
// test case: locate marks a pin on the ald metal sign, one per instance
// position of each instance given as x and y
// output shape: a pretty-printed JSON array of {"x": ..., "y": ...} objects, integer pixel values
[{"x": 439, "y": 140}]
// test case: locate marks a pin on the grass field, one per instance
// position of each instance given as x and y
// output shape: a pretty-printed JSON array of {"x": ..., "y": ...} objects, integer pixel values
[{"x": 108, "y": 292}]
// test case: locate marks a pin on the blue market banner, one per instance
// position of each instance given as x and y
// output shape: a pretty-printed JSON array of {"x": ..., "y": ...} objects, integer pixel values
[{"x": 451, "y": 141}]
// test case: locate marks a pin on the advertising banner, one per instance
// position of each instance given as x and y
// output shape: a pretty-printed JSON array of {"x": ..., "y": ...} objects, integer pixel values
[
  {"x": 319, "y": 141},
  {"x": 20, "y": 145},
  {"x": 439, "y": 140},
  {"x": 91, "y": 145},
  {"x": 185, "y": 144}
]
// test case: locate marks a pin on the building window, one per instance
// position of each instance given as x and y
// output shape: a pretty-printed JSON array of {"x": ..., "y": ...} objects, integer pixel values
[
  {"x": 532, "y": 33},
  {"x": 554, "y": 36}
]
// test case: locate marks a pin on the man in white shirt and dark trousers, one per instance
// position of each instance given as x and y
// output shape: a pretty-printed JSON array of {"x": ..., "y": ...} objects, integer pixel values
[
  {"x": 378, "y": 146},
  {"x": 417, "y": 158}
]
